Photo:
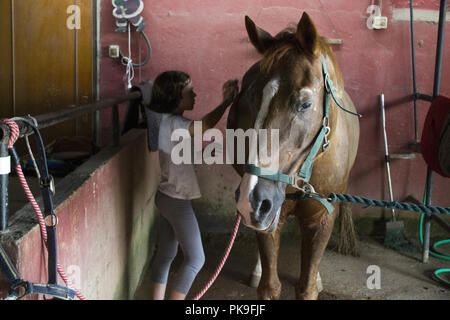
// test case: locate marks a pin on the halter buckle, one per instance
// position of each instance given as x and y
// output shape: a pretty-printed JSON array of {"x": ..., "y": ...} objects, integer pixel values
[{"x": 301, "y": 184}]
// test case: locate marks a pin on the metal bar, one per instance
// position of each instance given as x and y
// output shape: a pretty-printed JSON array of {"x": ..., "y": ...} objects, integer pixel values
[
  {"x": 115, "y": 125},
  {"x": 413, "y": 55},
  {"x": 386, "y": 153},
  {"x": 50, "y": 119},
  {"x": 440, "y": 48},
  {"x": 4, "y": 186},
  {"x": 427, "y": 227}
]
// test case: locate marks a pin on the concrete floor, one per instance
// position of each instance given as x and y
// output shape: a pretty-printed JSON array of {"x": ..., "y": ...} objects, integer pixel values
[{"x": 403, "y": 276}]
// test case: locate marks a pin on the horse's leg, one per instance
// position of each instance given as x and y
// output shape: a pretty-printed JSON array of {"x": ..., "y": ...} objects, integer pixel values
[
  {"x": 270, "y": 286},
  {"x": 316, "y": 226}
]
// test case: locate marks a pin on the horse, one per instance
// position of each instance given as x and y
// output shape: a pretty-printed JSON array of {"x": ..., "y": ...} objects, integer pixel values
[{"x": 289, "y": 90}]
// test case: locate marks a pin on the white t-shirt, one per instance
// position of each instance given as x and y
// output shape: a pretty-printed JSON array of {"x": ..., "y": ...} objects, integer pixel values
[{"x": 178, "y": 180}]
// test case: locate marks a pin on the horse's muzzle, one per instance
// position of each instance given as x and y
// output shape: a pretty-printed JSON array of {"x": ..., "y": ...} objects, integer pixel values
[{"x": 261, "y": 205}]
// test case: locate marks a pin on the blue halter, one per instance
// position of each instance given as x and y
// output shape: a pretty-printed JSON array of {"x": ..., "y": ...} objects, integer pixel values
[{"x": 321, "y": 142}]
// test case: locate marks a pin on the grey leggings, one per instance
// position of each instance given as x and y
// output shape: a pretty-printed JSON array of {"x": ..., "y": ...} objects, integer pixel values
[{"x": 178, "y": 225}]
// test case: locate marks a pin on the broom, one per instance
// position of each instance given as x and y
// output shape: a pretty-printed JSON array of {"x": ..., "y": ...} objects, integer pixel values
[{"x": 394, "y": 237}]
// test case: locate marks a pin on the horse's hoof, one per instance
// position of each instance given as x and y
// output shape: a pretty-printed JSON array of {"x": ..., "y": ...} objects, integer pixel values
[
  {"x": 254, "y": 281},
  {"x": 311, "y": 294},
  {"x": 272, "y": 293}
]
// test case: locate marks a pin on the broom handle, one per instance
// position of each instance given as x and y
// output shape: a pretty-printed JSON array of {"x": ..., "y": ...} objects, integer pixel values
[{"x": 386, "y": 153}]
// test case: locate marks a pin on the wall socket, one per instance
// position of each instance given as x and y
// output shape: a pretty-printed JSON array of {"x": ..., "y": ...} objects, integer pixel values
[{"x": 114, "y": 51}]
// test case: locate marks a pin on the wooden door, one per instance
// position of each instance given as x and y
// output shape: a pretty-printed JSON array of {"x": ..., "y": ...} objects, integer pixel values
[{"x": 45, "y": 65}]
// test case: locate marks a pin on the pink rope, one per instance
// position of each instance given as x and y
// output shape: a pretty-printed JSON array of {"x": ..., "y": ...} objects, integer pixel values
[
  {"x": 14, "y": 136},
  {"x": 14, "y": 132},
  {"x": 222, "y": 262}
]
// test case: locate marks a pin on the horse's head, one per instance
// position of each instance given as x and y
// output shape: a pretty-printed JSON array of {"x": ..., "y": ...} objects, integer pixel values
[{"x": 283, "y": 91}]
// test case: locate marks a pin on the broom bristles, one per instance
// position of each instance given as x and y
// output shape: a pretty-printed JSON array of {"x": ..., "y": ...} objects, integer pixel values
[{"x": 348, "y": 242}]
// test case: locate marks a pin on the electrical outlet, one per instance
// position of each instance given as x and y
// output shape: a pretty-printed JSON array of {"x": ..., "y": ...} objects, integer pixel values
[
  {"x": 114, "y": 51},
  {"x": 379, "y": 22}
]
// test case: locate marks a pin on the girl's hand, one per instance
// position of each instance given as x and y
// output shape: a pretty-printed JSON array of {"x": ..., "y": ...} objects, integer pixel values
[{"x": 230, "y": 91}]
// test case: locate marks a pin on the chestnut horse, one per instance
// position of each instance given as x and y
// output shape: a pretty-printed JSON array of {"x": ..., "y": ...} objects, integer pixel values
[{"x": 298, "y": 89}]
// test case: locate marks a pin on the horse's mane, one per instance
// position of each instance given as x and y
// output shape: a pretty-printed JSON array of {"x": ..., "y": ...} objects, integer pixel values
[{"x": 286, "y": 47}]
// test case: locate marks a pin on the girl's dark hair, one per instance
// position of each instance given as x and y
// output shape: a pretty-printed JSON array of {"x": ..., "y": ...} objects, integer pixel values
[{"x": 167, "y": 90}]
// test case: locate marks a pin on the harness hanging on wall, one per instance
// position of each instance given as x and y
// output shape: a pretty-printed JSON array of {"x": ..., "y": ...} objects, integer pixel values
[
  {"x": 127, "y": 13},
  {"x": 435, "y": 143}
]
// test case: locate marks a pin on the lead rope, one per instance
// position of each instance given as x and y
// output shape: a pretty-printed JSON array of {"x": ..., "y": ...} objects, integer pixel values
[
  {"x": 14, "y": 136},
  {"x": 222, "y": 262}
]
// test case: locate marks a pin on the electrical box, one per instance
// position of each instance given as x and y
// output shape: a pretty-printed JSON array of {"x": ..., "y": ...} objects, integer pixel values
[
  {"x": 114, "y": 51},
  {"x": 379, "y": 22}
]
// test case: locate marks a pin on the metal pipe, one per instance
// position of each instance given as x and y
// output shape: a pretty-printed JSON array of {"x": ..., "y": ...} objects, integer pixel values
[
  {"x": 440, "y": 48},
  {"x": 52, "y": 118},
  {"x": 386, "y": 154},
  {"x": 427, "y": 227},
  {"x": 4, "y": 176},
  {"x": 413, "y": 55}
]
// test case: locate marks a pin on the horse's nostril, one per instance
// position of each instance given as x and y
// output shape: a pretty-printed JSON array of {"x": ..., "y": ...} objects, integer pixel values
[{"x": 265, "y": 207}]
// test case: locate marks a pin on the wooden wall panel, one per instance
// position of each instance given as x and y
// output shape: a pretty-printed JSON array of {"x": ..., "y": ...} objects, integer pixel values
[
  {"x": 6, "y": 102},
  {"x": 53, "y": 64}
]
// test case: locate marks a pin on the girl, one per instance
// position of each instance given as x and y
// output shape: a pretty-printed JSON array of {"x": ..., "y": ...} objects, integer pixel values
[{"x": 173, "y": 94}]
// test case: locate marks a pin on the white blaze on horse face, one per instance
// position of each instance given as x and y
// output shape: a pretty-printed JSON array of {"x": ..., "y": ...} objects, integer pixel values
[{"x": 249, "y": 181}]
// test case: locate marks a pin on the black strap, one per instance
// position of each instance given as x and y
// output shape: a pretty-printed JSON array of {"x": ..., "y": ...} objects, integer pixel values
[
  {"x": 20, "y": 289},
  {"x": 8, "y": 268},
  {"x": 48, "y": 290},
  {"x": 52, "y": 249},
  {"x": 47, "y": 197}
]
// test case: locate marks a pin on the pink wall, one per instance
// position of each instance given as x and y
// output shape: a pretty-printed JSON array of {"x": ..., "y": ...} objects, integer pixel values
[{"x": 208, "y": 40}]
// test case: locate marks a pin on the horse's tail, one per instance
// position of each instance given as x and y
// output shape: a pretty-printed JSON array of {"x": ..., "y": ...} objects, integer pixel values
[{"x": 348, "y": 242}]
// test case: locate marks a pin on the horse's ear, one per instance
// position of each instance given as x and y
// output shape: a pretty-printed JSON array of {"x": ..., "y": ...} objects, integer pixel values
[
  {"x": 307, "y": 34},
  {"x": 260, "y": 38}
]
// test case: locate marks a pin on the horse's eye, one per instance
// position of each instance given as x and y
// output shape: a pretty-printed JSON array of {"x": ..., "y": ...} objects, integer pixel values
[{"x": 304, "y": 106}]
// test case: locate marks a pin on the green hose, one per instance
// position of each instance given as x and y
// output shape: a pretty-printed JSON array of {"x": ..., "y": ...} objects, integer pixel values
[{"x": 436, "y": 252}]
